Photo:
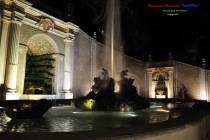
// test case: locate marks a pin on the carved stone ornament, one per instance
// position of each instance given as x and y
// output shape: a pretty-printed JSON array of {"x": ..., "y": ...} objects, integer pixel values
[
  {"x": 46, "y": 23},
  {"x": 156, "y": 75},
  {"x": 40, "y": 46}
]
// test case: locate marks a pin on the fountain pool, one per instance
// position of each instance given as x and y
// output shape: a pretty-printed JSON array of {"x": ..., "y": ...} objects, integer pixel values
[{"x": 70, "y": 119}]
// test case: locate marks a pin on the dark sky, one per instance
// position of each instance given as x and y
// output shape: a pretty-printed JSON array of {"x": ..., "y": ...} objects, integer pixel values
[{"x": 144, "y": 30}]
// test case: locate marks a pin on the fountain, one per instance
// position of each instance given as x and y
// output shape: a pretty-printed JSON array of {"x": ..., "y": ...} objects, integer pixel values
[
  {"x": 114, "y": 50},
  {"x": 109, "y": 124},
  {"x": 103, "y": 97}
]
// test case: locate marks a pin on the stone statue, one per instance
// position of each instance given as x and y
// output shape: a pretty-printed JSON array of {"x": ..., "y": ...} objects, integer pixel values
[
  {"x": 103, "y": 83},
  {"x": 103, "y": 91},
  {"x": 127, "y": 89},
  {"x": 128, "y": 93},
  {"x": 103, "y": 97}
]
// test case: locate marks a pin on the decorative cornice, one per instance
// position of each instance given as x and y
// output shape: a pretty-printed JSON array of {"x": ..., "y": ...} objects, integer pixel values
[
  {"x": 160, "y": 69},
  {"x": 17, "y": 16},
  {"x": 11, "y": 11},
  {"x": 66, "y": 27},
  {"x": 23, "y": 10},
  {"x": 20, "y": 3},
  {"x": 156, "y": 75}
]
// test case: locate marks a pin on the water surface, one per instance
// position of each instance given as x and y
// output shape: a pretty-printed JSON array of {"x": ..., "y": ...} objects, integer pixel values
[{"x": 69, "y": 119}]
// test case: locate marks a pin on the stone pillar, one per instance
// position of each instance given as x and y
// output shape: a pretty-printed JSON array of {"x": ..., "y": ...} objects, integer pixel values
[
  {"x": 208, "y": 85},
  {"x": 4, "y": 30},
  {"x": 12, "y": 56},
  {"x": 68, "y": 74},
  {"x": 171, "y": 84},
  {"x": 58, "y": 79},
  {"x": 203, "y": 87},
  {"x": 21, "y": 68},
  {"x": 150, "y": 85}
]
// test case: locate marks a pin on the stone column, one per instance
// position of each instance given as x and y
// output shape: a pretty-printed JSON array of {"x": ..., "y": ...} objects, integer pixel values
[
  {"x": 21, "y": 68},
  {"x": 58, "y": 79},
  {"x": 150, "y": 85},
  {"x": 4, "y": 30},
  {"x": 203, "y": 89},
  {"x": 68, "y": 75},
  {"x": 208, "y": 85},
  {"x": 171, "y": 84},
  {"x": 12, "y": 56}
]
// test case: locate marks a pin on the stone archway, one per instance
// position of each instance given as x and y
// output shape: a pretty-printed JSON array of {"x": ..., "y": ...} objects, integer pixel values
[
  {"x": 39, "y": 72},
  {"x": 40, "y": 65},
  {"x": 161, "y": 80}
]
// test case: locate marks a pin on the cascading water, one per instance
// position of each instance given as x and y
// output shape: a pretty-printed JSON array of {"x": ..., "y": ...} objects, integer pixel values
[{"x": 114, "y": 49}]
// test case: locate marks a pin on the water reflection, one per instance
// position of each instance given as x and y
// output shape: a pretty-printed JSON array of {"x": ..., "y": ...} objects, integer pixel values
[
  {"x": 67, "y": 119},
  {"x": 26, "y": 125}
]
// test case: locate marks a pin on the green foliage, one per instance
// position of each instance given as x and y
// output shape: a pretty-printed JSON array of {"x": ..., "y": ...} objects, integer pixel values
[
  {"x": 161, "y": 88},
  {"x": 39, "y": 74}
]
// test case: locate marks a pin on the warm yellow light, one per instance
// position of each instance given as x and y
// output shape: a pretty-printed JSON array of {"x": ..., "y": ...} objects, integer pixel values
[
  {"x": 203, "y": 94},
  {"x": 117, "y": 88},
  {"x": 89, "y": 103},
  {"x": 12, "y": 96},
  {"x": 162, "y": 110}
]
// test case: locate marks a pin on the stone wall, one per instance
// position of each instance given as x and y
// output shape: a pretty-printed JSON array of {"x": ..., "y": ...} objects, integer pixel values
[
  {"x": 82, "y": 64},
  {"x": 89, "y": 60},
  {"x": 137, "y": 71},
  {"x": 188, "y": 76}
]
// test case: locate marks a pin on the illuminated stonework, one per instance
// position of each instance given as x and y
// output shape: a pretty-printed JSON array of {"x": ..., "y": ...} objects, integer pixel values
[
  {"x": 157, "y": 75},
  {"x": 78, "y": 57},
  {"x": 23, "y": 26},
  {"x": 46, "y": 23},
  {"x": 160, "y": 72},
  {"x": 40, "y": 45}
]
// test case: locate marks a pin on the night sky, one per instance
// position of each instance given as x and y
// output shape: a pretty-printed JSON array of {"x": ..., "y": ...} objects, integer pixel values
[{"x": 145, "y": 30}]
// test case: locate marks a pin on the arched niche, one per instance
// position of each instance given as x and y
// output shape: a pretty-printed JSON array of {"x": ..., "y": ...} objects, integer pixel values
[
  {"x": 41, "y": 44},
  {"x": 40, "y": 75}
]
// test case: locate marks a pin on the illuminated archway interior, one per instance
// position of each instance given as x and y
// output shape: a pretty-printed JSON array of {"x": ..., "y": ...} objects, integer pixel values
[{"x": 40, "y": 66}]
